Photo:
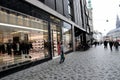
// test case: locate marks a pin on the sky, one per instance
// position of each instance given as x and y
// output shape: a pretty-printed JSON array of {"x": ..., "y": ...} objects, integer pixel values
[{"x": 105, "y": 10}]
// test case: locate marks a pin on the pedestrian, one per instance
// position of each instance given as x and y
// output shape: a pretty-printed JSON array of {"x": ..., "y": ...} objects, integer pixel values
[
  {"x": 105, "y": 44},
  {"x": 111, "y": 44},
  {"x": 62, "y": 56},
  {"x": 116, "y": 44},
  {"x": 95, "y": 43}
]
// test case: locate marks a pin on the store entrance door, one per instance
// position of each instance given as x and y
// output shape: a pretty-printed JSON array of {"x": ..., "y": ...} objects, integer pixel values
[{"x": 55, "y": 40}]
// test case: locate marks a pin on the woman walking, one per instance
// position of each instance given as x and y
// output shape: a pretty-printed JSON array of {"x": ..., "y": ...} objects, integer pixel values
[
  {"x": 116, "y": 44},
  {"x": 62, "y": 56},
  {"x": 111, "y": 44}
]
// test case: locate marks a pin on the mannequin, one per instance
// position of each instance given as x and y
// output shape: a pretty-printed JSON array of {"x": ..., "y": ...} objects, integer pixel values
[{"x": 9, "y": 47}]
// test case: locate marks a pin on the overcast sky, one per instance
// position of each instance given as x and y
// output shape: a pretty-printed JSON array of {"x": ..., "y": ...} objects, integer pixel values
[{"x": 105, "y": 10}]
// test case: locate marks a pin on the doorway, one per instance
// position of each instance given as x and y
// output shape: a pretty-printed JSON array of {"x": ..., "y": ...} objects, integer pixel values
[{"x": 55, "y": 40}]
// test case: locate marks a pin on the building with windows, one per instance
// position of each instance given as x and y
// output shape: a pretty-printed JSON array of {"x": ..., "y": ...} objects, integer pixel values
[
  {"x": 115, "y": 33},
  {"x": 31, "y": 30},
  {"x": 97, "y": 36}
]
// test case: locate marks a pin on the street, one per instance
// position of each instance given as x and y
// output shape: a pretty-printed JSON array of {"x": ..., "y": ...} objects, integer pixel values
[{"x": 96, "y": 63}]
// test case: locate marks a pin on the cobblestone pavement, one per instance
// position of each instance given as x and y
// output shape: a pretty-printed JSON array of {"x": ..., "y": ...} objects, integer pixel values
[{"x": 95, "y": 64}]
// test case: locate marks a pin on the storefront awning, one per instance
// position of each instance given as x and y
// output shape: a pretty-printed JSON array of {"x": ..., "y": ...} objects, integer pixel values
[{"x": 78, "y": 31}]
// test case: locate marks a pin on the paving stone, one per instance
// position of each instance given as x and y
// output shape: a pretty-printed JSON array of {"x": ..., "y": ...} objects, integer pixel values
[{"x": 96, "y": 63}]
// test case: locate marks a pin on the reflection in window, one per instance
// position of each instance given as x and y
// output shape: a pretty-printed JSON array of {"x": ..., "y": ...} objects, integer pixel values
[
  {"x": 55, "y": 38},
  {"x": 67, "y": 37},
  {"x": 70, "y": 9}
]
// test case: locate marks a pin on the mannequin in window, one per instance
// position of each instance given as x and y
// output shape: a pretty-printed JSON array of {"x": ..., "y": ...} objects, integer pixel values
[
  {"x": 28, "y": 47},
  {"x": 4, "y": 48},
  {"x": 9, "y": 47},
  {"x": 16, "y": 48},
  {"x": 0, "y": 48},
  {"x": 58, "y": 45},
  {"x": 46, "y": 48},
  {"x": 22, "y": 47}
]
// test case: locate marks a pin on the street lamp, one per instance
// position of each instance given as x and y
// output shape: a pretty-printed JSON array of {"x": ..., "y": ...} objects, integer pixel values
[{"x": 107, "y": 20}]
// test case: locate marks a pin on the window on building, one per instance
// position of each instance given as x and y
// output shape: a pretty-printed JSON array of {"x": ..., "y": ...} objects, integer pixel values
[
  {"x": 70, "y": 9},
  {"x": 67, "y": 37},
  {"x": 43, "y": 1}
]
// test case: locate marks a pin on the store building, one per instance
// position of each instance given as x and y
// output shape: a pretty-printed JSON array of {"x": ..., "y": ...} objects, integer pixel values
[
  {"x": 114, "y": 34},
  {"x": 30, "y": 30}
]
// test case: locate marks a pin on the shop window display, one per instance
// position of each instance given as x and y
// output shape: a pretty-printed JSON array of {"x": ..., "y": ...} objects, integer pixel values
[
  {"x": 19, "y": 43},
  {"x": 12, "y": 19},
  {"x": 23, "y": 46},
  {"x": 4, "y": 17}
]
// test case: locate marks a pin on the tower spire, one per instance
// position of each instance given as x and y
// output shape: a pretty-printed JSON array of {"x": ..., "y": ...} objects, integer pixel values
[{"x": 117, "y": 22}]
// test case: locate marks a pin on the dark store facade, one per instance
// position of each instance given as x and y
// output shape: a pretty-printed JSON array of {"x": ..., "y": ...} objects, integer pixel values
[{"x": 30, "y": 31}]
